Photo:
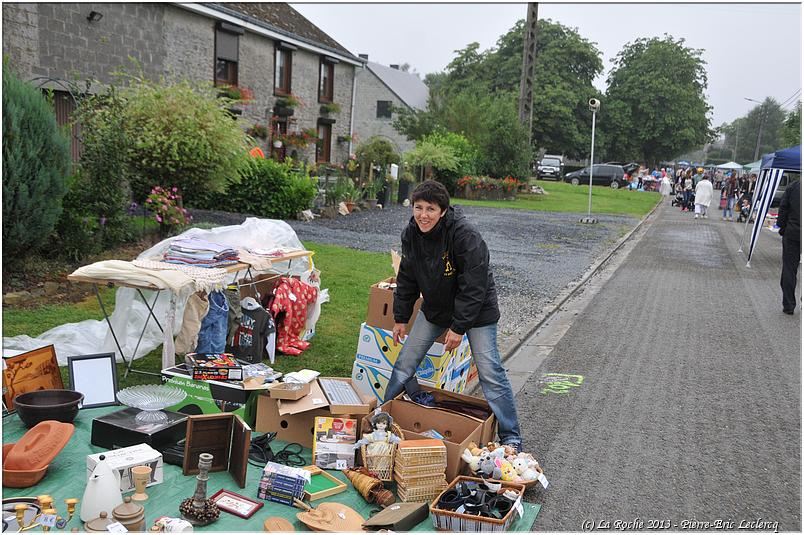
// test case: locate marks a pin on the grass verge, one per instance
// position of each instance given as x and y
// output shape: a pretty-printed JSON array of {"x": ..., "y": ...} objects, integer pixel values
[
  {"x": 347, "y": 274},
  {"x": 564, "y": 197}
]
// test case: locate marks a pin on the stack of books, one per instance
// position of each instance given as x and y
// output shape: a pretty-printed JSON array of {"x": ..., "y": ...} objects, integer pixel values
[
  {"x": 419, "y": 468},
  {"x": 282, "y": 484}
]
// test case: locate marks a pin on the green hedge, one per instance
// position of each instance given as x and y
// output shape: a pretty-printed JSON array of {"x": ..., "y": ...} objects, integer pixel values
[{"x": 270, "y": 189}]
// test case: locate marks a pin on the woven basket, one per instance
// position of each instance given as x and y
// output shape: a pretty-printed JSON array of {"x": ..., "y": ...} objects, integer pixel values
[
  {"x": 383, "y": 464},
  {"x": 421, "y": 494},
  {"x": 452, "y": 521}
]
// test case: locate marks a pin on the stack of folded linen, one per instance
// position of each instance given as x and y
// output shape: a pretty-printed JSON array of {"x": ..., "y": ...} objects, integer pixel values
[{"x": 200, "y": 253}]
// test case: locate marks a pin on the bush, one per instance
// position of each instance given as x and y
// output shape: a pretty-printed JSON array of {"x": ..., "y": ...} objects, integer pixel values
[
  {"x": 376, "y": 150},
  {"x": 95, "y": 207},
  {"x": 504, "y": 141},
  {"x": 271, "y": 189},
  {"x": 466, "y": 154},
  {"x": 36, "y": 161},
  {"x": 180, "y": 135}
]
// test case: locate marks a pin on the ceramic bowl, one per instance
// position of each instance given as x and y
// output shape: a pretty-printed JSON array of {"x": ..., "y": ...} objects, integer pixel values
[
  {"x": 20, "y": 479},
  {"x": 40, "y": 405}
]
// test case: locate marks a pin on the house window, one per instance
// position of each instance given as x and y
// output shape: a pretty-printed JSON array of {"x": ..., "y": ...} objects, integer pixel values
[
  {"x": 383, "y": 109},
  {"x": 283, "y": 62},
  {"x": 326, "y": 79},
  {"x": 322, "y": 148},
  {"x": 226, "y": 57}
]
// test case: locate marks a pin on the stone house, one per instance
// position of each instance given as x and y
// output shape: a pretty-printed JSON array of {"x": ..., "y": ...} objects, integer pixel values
[
  {"x": 379, "y": 90},
  {"x": 268, "y": 48}
]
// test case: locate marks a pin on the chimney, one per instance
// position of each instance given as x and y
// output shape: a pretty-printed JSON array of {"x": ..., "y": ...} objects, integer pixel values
[
  {"x": 363, "y": 56},
  {"x": 394, "y": 67}
]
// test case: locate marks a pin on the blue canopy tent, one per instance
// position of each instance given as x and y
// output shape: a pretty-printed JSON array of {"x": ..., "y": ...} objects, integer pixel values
[{"x": 774, "y": 165}]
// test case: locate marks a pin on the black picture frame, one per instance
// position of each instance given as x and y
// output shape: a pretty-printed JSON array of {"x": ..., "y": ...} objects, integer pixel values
[{"x": 99, "y": 396}]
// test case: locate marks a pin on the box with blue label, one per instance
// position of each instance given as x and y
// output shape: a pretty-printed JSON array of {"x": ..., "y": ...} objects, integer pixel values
[
  {"x": 375, "y": 348},
  {"x": 372, "y": 380}
]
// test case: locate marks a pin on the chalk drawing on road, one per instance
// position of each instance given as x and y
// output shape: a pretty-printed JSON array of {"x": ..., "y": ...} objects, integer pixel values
[{"x": 559, "y": 383}]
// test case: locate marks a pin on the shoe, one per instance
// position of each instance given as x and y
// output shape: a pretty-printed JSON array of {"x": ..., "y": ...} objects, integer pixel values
[
  {"x": 723, "y": 218},
  {"x": 696, "y": 216},
  {"x": 516, "y": 445},
  {"x": 706, "y": 216},
  {"x": 789, "y": 312}
]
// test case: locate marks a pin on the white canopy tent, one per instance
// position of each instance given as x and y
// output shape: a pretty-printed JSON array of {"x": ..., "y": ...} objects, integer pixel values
[{"x": 730, "y": 165}]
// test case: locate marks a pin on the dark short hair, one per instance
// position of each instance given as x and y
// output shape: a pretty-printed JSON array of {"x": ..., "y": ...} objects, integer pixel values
[{"x": 432, "y": 191}]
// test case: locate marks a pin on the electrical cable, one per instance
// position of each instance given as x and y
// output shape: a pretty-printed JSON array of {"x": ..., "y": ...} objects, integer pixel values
[{"x": 260, "y": 452}]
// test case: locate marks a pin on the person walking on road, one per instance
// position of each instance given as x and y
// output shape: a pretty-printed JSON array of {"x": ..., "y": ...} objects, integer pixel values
[
  {"x": 687, "y": 191},
  {"x": 703, "y": 197},
  {"x": 729, "y": 192},
  {"x": 789, "y": 222},
  {"x": 665, "y": 189},
  {"x": 446, "y": 259}
]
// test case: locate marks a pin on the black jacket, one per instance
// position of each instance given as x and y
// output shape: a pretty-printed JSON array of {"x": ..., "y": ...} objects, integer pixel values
[
  {"x": 450, "y": 267},
  {"x": 789, "y": 219}
]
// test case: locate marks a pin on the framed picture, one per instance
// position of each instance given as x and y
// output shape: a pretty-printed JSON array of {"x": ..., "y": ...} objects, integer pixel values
[
  {"x": 95, "y": 376},
  {"x": 37, "y": 369},
  {"x": 234, "y": 503}
]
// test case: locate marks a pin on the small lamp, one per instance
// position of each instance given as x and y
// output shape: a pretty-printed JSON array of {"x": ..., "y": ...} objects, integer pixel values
[{"x": 94, "y": 16}]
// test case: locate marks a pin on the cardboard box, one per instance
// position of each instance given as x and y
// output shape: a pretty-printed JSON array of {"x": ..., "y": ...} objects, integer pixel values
[
  {"x": 458, "y": 430},
  {"x": 284, "y": 391},
  {"x": 213, "y": 367},
  {"x": 122, "y": 460},
  {"x": 489, "y": 424},
  {"x": 294, "y": 421},
  {"x": 381, "y": 307},
  {"x": 375, "y": 347},
  {"x": 334, "y": 442},
  {"x": 374, "y": 381},
  {"x": 288, "y": 427},
  {"x": 212, "y": 397}
]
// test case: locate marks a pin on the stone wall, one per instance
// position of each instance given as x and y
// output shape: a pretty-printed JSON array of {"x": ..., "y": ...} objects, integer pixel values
[
  {"x": 370, "y": 89},
  {"x": 57, "y": 41}
]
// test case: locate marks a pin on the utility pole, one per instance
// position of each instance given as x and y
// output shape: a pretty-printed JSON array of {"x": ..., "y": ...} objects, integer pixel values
[
  {"x": 759, "y": 134},
  {"x": 528, "y": 66},
  {"x": 736, "y": 142}
]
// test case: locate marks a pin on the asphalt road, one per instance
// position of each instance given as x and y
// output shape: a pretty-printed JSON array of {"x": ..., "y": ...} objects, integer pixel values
[{"x": 690, "y": 405}]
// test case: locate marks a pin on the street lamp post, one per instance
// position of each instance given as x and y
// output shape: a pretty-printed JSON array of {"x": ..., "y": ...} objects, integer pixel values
[
  {"x": 594, "y": 106},
  {"x": 761, "y": 125}
]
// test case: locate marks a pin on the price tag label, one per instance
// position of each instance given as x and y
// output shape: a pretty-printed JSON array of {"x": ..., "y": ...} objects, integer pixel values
[
  {"x": 116, "y": 527},
  {"x": 543, "y": 480},
  {"x": 317, "y": 401},
  {"x": 48, "y": 520},
  {"x": 520, "y": 510},
  {"x": 340, "y": 464}
]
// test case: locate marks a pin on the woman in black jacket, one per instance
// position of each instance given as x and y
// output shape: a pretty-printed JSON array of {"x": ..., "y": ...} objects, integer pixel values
[{"x": 446, "y": 260}]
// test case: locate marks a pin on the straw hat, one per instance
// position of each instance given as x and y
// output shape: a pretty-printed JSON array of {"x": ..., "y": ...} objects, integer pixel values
[{"x": 331, "y": 516}]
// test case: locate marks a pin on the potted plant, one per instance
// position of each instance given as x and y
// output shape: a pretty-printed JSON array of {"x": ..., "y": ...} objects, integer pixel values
[
  {"x": 330, "y": 107},
  {"x": 285, "y": 105},
  {"x": 258, "y": 130},
  {"x": 351, "y": 195},
  {"x": 233, "y": 92},
  {"x": 370, "y": 189},
  {"x": 406, "y": 180}
]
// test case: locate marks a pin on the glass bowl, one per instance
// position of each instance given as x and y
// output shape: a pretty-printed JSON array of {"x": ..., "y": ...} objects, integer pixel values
[{"x": 151, "y": 399}]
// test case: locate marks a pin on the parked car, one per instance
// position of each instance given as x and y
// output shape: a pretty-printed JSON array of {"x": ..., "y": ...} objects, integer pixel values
[
  {"x": 550, "y": 167},
  {"x": 604, "y": 174},
  {"x": 786, "y": 179}
]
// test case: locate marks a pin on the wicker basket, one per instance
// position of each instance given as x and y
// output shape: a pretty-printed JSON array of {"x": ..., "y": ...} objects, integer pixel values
[
  {"x": 383, "y": 464},
  {"x": 421, "y": 494},
  {"x": 528, "y": 483},
  {"x": 452, "y": 521},
  {"x": 432, "y": 455}
]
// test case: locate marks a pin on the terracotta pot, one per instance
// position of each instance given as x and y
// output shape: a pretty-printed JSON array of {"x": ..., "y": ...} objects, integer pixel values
[
  {"x": 350, "y": 206},
  {"x": 38, "y": 446},
  {"x": 20, "y": 479}
]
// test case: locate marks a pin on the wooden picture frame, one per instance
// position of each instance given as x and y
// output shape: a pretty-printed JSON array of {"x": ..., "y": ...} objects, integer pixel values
[
  {"x": 333, "y": 484},
  {"x": 37, "y": 369},
  {"x": 234, "y": 503},
  {"x": 95, "y": 376}
]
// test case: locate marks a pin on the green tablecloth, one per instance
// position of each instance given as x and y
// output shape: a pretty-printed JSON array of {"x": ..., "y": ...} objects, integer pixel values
[{"x": 67, "y": 475}]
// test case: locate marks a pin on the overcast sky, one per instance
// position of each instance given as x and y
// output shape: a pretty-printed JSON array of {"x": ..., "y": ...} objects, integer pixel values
[{"x": 751, "y": 50}]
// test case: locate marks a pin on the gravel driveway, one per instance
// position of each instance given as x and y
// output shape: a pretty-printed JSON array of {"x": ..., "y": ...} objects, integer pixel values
[{"x": 534, "y": 255}]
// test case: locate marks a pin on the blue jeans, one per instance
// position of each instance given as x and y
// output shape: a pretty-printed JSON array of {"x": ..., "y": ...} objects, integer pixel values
[
  {"x": 728, "y": 210},
  {"x": 212, "y": 334},
  {"x": 493, "y": 380}
]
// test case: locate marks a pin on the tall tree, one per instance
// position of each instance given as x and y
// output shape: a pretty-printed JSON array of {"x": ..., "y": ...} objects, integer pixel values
[
  {"x": 655, "y": 106},
  {"x": 791, "y": 131}
]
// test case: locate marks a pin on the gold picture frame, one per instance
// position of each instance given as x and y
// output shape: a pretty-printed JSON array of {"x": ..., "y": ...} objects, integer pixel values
[{"x": 37, "y": 369}]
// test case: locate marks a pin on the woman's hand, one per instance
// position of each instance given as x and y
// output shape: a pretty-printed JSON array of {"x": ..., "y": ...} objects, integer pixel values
[
  {"x": 452, "y": 340},
  {"x": 400, "y": 330}
]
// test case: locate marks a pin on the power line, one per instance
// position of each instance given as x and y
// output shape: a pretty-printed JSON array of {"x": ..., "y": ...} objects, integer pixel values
[{"x": 791, "y": 98}]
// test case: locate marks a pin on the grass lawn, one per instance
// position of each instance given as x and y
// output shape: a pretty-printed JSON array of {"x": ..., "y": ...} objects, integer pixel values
[
  {"x": 564, "y": 197},
  {"x": 347, "y": 273}
]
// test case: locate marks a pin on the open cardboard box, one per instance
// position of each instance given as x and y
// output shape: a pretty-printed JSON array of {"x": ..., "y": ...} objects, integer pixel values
[
  {"x": 458, "y": 430},
  {"x": 294, "y": 421},
  {"x": 381, "y": 307},
  {"x": 281, "y": 391},
  {"x": 489, "y": 424}
]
